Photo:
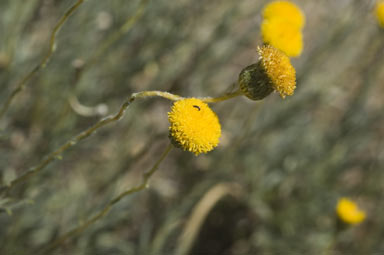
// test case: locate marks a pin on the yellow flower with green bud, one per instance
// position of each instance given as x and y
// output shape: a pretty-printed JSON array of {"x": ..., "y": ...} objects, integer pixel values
[{"x": 273, "y": 72}]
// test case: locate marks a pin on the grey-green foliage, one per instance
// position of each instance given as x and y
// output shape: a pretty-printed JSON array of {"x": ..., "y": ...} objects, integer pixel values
[{"x": 293, "y": 158}]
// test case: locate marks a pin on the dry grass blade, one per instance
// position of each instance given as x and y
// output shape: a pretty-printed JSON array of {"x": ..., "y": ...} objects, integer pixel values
[{"x": 201, "y": 211}]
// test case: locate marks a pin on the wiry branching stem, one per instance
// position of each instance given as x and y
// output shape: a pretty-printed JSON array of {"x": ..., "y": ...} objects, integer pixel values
[
  {"x": 109, "y": 119},
  {"x": 21, "y": 85},
  {"x": 79, "y": 229},
  {"x": 56, "y": 154}
]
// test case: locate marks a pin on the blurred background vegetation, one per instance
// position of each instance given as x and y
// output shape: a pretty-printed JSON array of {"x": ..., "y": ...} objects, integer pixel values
[{"x": 270, "y": 187}]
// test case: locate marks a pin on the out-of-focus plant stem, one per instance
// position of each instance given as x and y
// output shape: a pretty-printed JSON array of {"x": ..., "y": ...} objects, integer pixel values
[
  {"x": 109, "y": 119},
  {"x": 126, "y": 27},
  {"x": 79, "y": 229},
  {"x": 21, "y": 85},
  {"x": 56, "y": 154},
  {"x": 115, "y": 36},
  {"x": 222, "y": 98}
]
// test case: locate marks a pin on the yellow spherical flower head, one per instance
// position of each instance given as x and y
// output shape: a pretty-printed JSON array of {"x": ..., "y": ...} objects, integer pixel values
[
  {"x": 379, "y": 10},
  {"x": 283, "y": 36},
  {"x": 194, "y": 126},
  {"x": 349, "y": 212},
  {"x": 274, "y": 71},
  {"x": 284, "y": 10}
]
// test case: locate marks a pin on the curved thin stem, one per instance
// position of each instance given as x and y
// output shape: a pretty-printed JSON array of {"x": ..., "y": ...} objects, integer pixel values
[
  {"x": 115, "y": 36},
  {"x": 201, "y": 211},
  {"x": 56, "y": 154},
  {"x": 154, "y": 93},
  {"x": 100, "y": 109},
  {"x": 21, "y": 85},
  {"x": 222, "y": 98},
  {"x": 79, "y": 229},
  {"x": 86, "y": 133},
  {"x": 103, "y": 122},
  {"x": 174, "y": 97}
]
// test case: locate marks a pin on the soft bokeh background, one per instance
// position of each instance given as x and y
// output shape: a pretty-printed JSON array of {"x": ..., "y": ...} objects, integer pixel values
[{"x": 270, "y": 187}]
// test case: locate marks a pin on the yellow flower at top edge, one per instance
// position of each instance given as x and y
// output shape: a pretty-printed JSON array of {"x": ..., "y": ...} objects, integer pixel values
[
  {"x": 194, "y": 126},
  {"x": 279, "y": 69},
  {"x": 282, "y": 27},
  {"x": 282, "y": 35},
  {"x": 284, "y": 10},
  {"x": 349, "y": 212},
  {"x": 379, "y": 10}
]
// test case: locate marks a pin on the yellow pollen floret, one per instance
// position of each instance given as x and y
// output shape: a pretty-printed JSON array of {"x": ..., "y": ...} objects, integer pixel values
[
  {"x": 283, "y": 36},
  {"x": 349, "y": 212},
  {"x": 279, "y": 69},
  {"x": 284, "y": 10},
  {"x": 379, "y": 10},
  {"x": 194, "y": 126}
]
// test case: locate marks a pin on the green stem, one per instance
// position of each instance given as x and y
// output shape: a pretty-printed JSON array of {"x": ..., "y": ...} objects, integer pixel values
[
  {"x": 79, "y": 229},
  {"x": 103, "y": 122},
  {"x": 21, "y": 85},
  {"x": 56, "y": 154},
  {"x": 154, "y": 93},
  {"x": 222, "y": 98}
]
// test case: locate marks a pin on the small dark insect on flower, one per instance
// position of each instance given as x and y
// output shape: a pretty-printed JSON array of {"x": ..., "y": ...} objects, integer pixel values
[{"x": 197, "y": 107}]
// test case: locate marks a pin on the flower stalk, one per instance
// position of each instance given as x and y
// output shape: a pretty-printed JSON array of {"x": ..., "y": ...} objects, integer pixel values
[
  {"x": 102, "y": 213},
  {"x": 91, "y": 130}
]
